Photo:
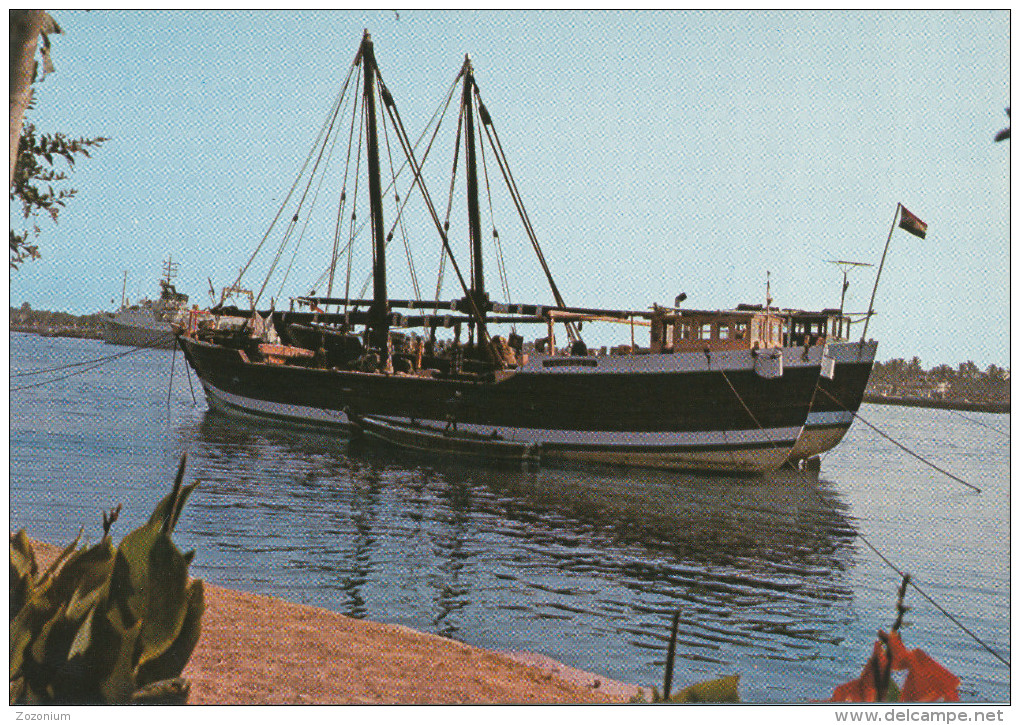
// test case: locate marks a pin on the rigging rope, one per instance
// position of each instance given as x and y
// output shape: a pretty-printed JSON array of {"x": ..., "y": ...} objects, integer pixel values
[
  {"x": 500, "y": 262},
  {"x": 504, "y": 167},
  {"x": 324, "y": 137},
  {"x": 356, "y": 231},
  {"x": 879, "y": 554},
  {"x": 400, "y": 217},
  {"x": 304, "y": 166},
  {"x": 354, "y": 210},
  {"x": 343, "y": 195},
  {"x": 398, "y": 126},
  {"x": 449, "y": 204},
  {"x": 308, "y": 216}
]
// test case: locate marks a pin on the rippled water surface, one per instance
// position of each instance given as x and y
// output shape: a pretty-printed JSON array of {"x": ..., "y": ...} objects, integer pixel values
[{"x": 585, "y": 565}]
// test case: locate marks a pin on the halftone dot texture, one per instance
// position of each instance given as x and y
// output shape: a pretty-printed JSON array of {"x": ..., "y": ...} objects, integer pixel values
[
  {"x": 586, "y": 566},
  {"x": 656, "y": 153}
]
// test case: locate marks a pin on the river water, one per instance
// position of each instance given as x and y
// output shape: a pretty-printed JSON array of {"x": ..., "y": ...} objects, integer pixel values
[{"x": 585, "y": 565}]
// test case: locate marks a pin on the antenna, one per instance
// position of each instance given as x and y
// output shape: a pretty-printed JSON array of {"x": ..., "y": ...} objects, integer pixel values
[
  {"x": 170, "y": 268},
  {"x": 846, "y": 266}
]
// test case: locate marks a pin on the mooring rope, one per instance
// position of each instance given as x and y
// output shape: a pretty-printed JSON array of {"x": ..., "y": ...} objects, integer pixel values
[
  {"x": 775, "y": 444},
  {"x": 85, "y": 362},
  {"x": 1001, "y": 432},
  {"x": 899, "y": 445},
  {"x": 885, "y": 560},
  {"x": 948, "y": 615},
  {"x": 92, "y": 365}
]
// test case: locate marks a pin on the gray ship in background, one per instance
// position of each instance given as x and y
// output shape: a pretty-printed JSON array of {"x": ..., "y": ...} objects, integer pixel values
[{"x": 148, "y": 323}]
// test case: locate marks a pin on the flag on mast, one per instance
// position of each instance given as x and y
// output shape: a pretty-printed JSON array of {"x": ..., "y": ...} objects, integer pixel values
[{"x": 911, "y": 223}]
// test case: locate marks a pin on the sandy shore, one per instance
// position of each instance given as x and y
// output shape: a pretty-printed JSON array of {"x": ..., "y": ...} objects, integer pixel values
[{"x": 257, "y": 650}]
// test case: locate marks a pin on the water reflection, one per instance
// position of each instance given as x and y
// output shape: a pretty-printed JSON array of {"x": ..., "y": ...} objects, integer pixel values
[
  {"x": 585, "y": 566},
  {"x": 594, "y": 559}
]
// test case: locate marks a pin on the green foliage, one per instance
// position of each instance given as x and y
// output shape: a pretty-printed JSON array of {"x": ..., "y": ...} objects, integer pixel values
[
  {"x": 106, "y": 624},
  {"x": 722, "y": 690},
  {"x": 965, "y": 383},
  {"x": 34, "y": 175}
]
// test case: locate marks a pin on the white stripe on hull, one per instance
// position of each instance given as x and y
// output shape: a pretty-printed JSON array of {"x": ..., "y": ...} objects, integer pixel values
[
  {"x": 772, "y": 436},
  {"x": 824, "y": 430},
  {"x": 675, "y": 362}
]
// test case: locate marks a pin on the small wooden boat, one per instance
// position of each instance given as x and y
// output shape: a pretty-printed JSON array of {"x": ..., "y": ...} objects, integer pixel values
[{"x": 449, "y": 441}]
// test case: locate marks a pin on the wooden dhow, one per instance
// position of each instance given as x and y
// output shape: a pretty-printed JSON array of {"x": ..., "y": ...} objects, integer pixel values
[{"x": 710, "y": 390}]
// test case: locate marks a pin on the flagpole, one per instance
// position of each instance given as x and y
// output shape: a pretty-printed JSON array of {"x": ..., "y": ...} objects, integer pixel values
[{"x": 871, "y": 305}]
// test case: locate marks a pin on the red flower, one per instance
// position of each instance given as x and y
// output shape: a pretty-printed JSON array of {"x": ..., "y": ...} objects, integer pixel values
[{"x": 927, "y": 680}]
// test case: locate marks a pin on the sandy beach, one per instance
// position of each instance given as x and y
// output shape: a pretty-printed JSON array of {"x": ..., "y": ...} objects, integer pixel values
[{"x": 258, "y": 650}]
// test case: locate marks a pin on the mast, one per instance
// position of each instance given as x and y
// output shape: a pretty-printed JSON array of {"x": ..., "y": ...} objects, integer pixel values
[
  {"x": 379, "y": 311},
  {"x": 474, "y": 218}
]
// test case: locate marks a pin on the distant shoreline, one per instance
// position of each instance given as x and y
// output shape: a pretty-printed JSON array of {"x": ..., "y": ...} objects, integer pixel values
[
  {"x": 943, "y": 404},
  {"x": 80, "y": 332}
]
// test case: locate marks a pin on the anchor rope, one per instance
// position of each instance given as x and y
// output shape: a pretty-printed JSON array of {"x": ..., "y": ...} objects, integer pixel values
[
  {"x": 741, "y": 400},
  {"x": 884, "y": 559},
  {"x": 775, "y": 444}
]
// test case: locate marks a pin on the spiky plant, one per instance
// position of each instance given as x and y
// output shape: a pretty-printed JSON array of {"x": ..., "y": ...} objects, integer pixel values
[{"x": 106, "y": 624}]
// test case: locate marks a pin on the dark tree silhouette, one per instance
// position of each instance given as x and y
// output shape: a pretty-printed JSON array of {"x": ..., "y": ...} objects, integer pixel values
[
  {"x": 34, "y": 175},
  {"x": 32, "y": 155}
]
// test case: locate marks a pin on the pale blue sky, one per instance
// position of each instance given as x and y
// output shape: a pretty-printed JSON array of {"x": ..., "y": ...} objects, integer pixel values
[{"x": 657, "y": 152}]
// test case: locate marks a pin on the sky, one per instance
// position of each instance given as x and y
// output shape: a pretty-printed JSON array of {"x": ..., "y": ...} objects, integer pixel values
[{"x": 703, "y": 152}]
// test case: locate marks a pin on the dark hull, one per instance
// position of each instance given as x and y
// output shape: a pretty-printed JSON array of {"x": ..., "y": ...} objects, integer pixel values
[
  {"x": 623, "y": 410},
  {"x": 837, "y": 400}
]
